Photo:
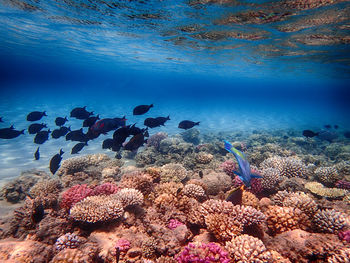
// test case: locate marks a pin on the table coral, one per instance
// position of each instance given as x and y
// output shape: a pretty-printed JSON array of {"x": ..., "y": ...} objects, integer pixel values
[
  {"x": 246, "y": 248},
  {"x": 201, "y": 252}
]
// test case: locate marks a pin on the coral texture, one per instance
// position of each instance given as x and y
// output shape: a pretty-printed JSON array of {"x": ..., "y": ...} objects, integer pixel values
[
  {"x": 173, "y": 172},
  {"x": 322, "y": 191},
  {"x": 330, "y": 221},
  {"x": 68, "y": 240},
  {"x": 129, "y": 196},
  {"x": 74, "y": 194}
]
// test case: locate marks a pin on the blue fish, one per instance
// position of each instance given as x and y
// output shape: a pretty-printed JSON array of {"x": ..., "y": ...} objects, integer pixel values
[{"x": 244, "y": 168}]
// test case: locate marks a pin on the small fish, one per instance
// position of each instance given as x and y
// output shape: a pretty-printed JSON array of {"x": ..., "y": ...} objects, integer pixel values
[
  {"x": 141, "y": 109},
  {"x": 10, "y": 133},
  {"x": 90, "y": 121},
  {"x": 347, "y": 134},
  {"x": 61, "y": 121},
  {"x": 80, "y": 113},
  {"x": 1, "y": 119},
  {"x": 106, "y": 125},
  {"x": 41, "y": 137},
  {"x": 200, "y": 173},
  {"x": 244, "y": 168},
  {"x": 36, "y": 127},
  {"x": 136, "y": 130},
  {"x": 77, "y": 135},
  {"x": 328, "y": 126},
  {"x": 78, "y": 147},
  {"x": 155, "y": 122},
  {"x": 55, "y": 162},
  {"x": 36, "y": 115},
  {"x": 235, "y": 196},
  {"x": 135, "y": 142},
  {"x": 62, "y": 131},
  {"x": 187, "y": 124},
  {"x": 309, "y": 133},
  {"x": 120, "y": 135},
  {"x": 37, "y": 154}
]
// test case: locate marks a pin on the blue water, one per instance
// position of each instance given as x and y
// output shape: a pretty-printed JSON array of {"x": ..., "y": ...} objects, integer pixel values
[{"x": 113, "y": 56}]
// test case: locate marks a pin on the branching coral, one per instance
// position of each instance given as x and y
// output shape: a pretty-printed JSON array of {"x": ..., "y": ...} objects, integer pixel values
[
  {"x": 68, "y": 240},
  {"x": 228, "y": 167},
  {"x": 287, "y": 166},
  {"x": 155, "y": 139},
  {"x": 137, "y": 180},
  {"x": 200, "y": 252},
  {"x": 330, "y": 221},
  {"x": 105, "y": 189},
  {"x": 129, "y": 197},
  {"x": 173, "y": 172},
  {"x": 203, "y": 158},
  {"x": 246, "y": 248},
  {"x": 74, "y": 194},
  {"x": 94, "y": 209},
  {"x": 327, "y": 175},
  {"x": 270, "y": 178},
  {"x": 194, "y": 190}
]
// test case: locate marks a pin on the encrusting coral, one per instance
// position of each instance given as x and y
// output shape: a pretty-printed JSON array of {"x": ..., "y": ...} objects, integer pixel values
[{"x": 319, "y": 189}]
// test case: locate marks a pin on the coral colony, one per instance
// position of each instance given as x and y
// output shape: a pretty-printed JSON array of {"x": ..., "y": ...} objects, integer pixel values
[{"x": 171, "y": 207}]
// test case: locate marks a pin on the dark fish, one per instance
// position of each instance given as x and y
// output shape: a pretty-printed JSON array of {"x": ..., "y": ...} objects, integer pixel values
[
  {"x": 106, "y": 125},
  {"x": 285, "y": 137},
  {"x": 77, "y": 135},
  {"x": 309, "y": 133},
  {"x": 62, "y": 131},
  {"x": 162, "y": 120},
  {"x": 141, "y": 109},
  {"x": 155, "y": 122},
  {"x": 327, "y": 135},
  {"x": 135, "y": 130},
  {"x": 41, "y": 137},
  {"x": 146, "y": 134},
  {"x": 347, "y": 134},
  {"x": 235, "y": 196},
  {"x": 187, "y": 124},
  {"x": 107, "y": 144},
  {"x": 61, "y": 121},
  {"x": 36, "y": 115},
  {"x": 10, "y": 133},
  {"x": 328, "y": 126},
  {"x": 36, "y": 127},
  {"x": 120, "y": 135},
  {"x": 135, "y": 142},
  {"x": 37, "y": 154},
  {"x": 55, "y": 162},
  {"x": 80, "y": 113},
  {"x": 78, "y": 147},
  {"x": 90, "y": 121},
  {"x": 1, "y": 119},
  {"x": 118, "y": 156},
  {"x": 336, "y": 126},
  {"x": 200, "y": 173}
]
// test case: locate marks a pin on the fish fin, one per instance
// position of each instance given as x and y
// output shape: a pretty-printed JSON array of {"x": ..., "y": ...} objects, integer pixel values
[
  {"x": 168, "y": 118},
  {"x": 65, "y": 118},
  {"x": 61, "y": 152},
  {"x": 256, "y": 176},
  {"x": 49, "y": 131},
  {"x": 151, "y": 105},
  {"x": 84, "y": 107},
  {"x": 22, "y": 131},
  {"x": 235, "y": 196},
  {"x": 228, "y": 146},
  {"x": 12, "y": 127},
  {"x": 197, "y": 123},
  {"x": 44, "y": 113}
]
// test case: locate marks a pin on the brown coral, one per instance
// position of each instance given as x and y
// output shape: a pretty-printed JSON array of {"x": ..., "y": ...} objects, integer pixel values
[
  {"x": 137, "y": 180},
  {"x": 194, "y": 190},
  {"x": 270, "y": 178},
  {"x": 173, "y": 172},
  {"x": 94, "y": 209},
  {"x": 322, "y": 191},
  {"x": 287, "y": 166},
  {"x": 129, "y": 197},
  {"x": 246, "y": 248},
  {"x": 330, "y": 221},
  {"x": 327, "y": 175},
  {"x": 203, "y": 158},
  {"x": 281, "y": 219}
]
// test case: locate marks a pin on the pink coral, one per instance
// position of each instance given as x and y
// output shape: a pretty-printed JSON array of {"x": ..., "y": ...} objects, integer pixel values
[
  {"x": 123, "y": 245},
  {"x": 345, "y": 235},
  {"x": 74, "y": 194},
  {"x": 173, "y": 223},
  {"x": 203, "y": 253},
  {"x": 343, "y": 184},
  {"x": 105, "y": 189},
  {"x": 255, "y": 184},
  {"x": 228, "y": 167}
]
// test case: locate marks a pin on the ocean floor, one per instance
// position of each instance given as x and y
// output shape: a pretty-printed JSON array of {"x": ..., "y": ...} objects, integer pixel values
[{"x": 173, "y": 201}]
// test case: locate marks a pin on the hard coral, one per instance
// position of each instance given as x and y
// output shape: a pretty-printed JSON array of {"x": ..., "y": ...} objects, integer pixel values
[
  {"x": 194, "y": 190},
  {"x": 68, "y": 240},
  {"x": 270, "y": 179},
  {"x": 345, "y": 235},
  {"x": 129, "y": 197},
  {"x": 322, "y": 191},
  {"x": 203, "y": 158},
  {"x": 330, "y": 221},
  {"x": 287, "y": 166},
  {"x": 173, "y": 172},
  {"x": 204, "y": 253},
  {"x": 74, "y": 194},
  {"x": 327, "y": 175},
  {"x": 246, "y": 248},
  {"x": 137, "y": 180},
  {"x": 155, "y": 139},
  {"x": 228, "y": 167},
  {"x": 105, "y": 189},
  {"x": 95, "y": 209}
]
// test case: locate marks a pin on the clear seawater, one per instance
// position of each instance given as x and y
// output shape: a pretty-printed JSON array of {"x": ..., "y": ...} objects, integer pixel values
[{"x": 114, "y": 55}]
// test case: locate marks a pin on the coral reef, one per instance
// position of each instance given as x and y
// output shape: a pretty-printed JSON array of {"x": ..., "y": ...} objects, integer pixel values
[
  {"x": 194, "y": 190},
  {"x": 173, "y": 172},
  {"x": 330, "y": 221},
  {"x": 322, "y": 191},
  {"x": 287, "y": 166},
  {"x": 129, "y": 197},
  {"x": 155, "y": 139},
  {"x": 327, "y": 175},
  {"x": 74, "y": 194},
  {"x": 69, "y": 240}
]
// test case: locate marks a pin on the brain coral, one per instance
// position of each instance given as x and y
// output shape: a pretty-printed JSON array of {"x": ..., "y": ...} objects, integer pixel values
[
  {"x": 201, "y": 252},
  {"x": 97, "y": 208},
  {"x": 280, "y": 219},
  {"x": 246, "y": 248},
  {"x": 330, "y": 221},
  {"x": 322, "y": 191},
  {"x": 129, "y": 196},
  {"x": 173, "y": 172},
  {"x": 287, "y": 166},
  {"x": 327, "y": 175}
]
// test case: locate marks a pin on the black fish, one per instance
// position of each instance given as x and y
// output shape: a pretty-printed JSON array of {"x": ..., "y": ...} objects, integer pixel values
[
  {"x": 162, "y": 120},
  {"x": 328, "y": 126},
  {"x": 1, "y": 119},
  {"x": 107, "y": 144},
  {"x": 41, "y": 137},
  {"x": 78, "y": 147},
  {"x": 61, "y": 121},
  {"x": 90, "y": 121},
  {"x": 309, "y": 134},
  {"x": 141, "y": 109},
  {"x": 80, "y": 113},
  {"x": 62, "y": 131},
  {"x": 55, "y": 162},
  {"x": 77, "y": 135},
  {"x": 155, "y": 122},
  {"x": 336, "y": 126},
  {"x": 36, "y": 127},
  {"x": 187, "y": 124},
  {"x": 347, "y": 134},
  {"x": 135, "y": 130},
  {"x": 135, "y": 142},
  {"x": 37, "y": 154},
  {"x": 120, "y": 135},
  {"x": 235, "y": 196},
  {"x": 10, "y": 133},
  {"x": 36, "y": 115},
  {"x": 106, "y": 125}
]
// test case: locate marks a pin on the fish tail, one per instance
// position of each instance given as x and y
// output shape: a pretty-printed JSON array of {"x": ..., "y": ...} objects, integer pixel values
[
  {"x": 61, "y": 152},
  {"x": 22, "y": 131},
  {"x": 44, "y": 113},
  {"x": 197, "y": 123},
  {"x": 151, "y": 105},
  {"x": 168, "y": 118}
]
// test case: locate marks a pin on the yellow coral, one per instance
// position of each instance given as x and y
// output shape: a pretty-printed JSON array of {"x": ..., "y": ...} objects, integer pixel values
[{"x": 320, "y": 190}]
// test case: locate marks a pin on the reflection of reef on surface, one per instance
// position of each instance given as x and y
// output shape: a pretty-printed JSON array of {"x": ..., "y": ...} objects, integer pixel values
[{"x": 172, "y": 208}]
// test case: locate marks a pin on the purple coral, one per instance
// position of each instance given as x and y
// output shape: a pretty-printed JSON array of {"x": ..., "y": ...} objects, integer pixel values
[
  {"x": 69, "y": 240},
  {"x": 343, "y": 184},
  {"x": 105, "y": 189},
  {"x": 255, "y": 184},
  {"x": 74, "y": 194},
  {"x": 155, "y": 139},
  {"x": 203, "y": 253},
  {"x": 345, "y": 235},
  {"x": 228, "y": 167},
  {"x": 173, "y": 223},
  {"x": 123, "y": 245}
]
